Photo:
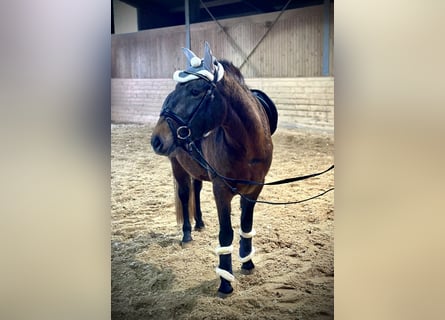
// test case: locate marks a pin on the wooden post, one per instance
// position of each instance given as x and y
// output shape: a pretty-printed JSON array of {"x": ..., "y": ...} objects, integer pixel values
[
  {"x": 187, "y": 24},
  {"x": 326, "y": 27}
]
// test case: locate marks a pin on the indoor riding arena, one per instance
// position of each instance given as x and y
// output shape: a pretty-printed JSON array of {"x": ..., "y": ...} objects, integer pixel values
[{"x": 153, "y": 276}]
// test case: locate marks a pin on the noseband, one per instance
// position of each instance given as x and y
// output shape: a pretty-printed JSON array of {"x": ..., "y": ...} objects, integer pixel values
[{"x": 183, "y": 132}]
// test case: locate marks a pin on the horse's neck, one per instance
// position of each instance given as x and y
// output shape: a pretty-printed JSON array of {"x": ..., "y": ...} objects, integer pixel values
[
  {"x": 234, "y": 128},
  {"x": 242, "y": 125}
]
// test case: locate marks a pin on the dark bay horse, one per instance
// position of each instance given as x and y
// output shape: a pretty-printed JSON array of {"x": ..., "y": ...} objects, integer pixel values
[{"x": 213, "y": 118}]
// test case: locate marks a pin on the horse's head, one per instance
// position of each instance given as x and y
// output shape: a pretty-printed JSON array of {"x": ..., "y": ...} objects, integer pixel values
[{"x": 194, "y": 108}]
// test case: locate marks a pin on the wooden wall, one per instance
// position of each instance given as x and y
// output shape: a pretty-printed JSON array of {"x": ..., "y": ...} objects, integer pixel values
[
  {"x": 293, "y": 47},
  {"x": 301, "y": 102}
]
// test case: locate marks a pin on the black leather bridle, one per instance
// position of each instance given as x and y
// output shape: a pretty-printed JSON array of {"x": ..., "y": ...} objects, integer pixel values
[{"x": 182, "y": 132}]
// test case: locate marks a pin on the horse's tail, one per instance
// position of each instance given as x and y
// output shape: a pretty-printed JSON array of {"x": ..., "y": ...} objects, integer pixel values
[{"x": 178, "y": 203}]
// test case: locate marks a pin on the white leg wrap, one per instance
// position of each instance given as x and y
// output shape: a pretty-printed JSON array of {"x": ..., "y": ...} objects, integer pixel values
[
  {"x": 247, "y": 235},
  {"x": 224, "y": 250},
  {"x": 225, "y": 274},
  {"x": 248, "y": 257}
]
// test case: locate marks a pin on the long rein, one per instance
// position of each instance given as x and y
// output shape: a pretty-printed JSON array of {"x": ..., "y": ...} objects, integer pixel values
[{"x": 203, "y": 163}]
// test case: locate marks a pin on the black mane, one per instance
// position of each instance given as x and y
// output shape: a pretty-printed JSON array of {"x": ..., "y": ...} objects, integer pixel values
[{"x": 229, "y": 67}]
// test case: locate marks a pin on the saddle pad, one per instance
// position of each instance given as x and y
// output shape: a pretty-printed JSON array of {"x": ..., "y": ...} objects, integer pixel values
[{"x": 269, "y": 107}]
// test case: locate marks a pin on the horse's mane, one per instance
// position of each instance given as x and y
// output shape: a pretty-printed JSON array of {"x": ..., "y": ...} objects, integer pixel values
[
  {"x": 234, "y": 71},
  {"x": 240, "y": 98},
  {"x": 236, "y": 87}
]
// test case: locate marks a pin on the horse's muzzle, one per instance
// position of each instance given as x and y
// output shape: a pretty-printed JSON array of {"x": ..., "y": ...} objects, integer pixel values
[
  {"x": 162, "y": 140},
  {"x": 159, "y": 146}
]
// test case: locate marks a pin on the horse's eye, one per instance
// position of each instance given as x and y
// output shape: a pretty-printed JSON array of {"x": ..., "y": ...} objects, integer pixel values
[{"x": 195, "y": 92}]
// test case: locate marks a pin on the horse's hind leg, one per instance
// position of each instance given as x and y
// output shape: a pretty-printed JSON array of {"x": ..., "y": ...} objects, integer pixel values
[
  {"x": 197, "y": 186},
  {"x": 246, "y": 250}
]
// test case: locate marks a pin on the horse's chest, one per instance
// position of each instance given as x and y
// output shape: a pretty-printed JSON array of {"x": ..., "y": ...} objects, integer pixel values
[{"x": 192, "y": 167}]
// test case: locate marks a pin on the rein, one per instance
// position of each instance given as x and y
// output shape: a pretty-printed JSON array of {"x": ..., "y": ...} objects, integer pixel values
[{"x": 203, "y": 163}]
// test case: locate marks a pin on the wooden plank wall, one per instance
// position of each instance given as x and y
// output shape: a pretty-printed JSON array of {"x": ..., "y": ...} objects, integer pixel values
[
  {"x": 301, "y": 102},
  {"x": 293, "y": 48},
  {"x": 138, "y": 100}
]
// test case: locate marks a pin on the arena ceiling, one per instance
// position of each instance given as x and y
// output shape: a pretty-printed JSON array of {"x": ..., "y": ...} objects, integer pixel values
[{"x": 165, "y": 13}]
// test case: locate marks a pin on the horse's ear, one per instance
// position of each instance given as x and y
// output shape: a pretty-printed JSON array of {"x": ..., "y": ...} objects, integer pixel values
[
  {"x": 189, "y": 54},
  {"x": 208, "y": 58}
]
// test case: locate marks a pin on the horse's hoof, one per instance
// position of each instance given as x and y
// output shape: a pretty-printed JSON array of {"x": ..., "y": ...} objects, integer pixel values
[
  {"x": 199, "y": 228},
  {"x": 185, "y": 245},
  {"x": 223, "y": 295},
  {"x": 247, "y": 268},
  {"x": 246, "y": 272}
]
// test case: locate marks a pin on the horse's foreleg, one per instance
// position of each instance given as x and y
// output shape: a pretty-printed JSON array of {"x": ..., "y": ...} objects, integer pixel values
[
  {"x": 183, "y": 183},
  {"x": 197, "y": 186},
  {"x": 224, "y": 270},
  {"x": 183, "y": 194},
  {"x": 246, "y": 250}
]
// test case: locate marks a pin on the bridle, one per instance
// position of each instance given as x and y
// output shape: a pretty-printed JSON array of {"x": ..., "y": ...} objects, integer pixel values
[
  {"x": 183, "y": 132},
  {"x": 183, "y": 138}
]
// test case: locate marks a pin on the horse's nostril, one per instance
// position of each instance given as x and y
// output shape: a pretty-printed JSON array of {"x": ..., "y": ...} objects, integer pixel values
[{"x": 156, "y": 143}]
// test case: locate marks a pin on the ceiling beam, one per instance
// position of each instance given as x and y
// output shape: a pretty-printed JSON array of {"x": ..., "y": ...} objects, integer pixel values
[
  {"x": 260, "y": 6},
  {"x": 209, "y": 4}
]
